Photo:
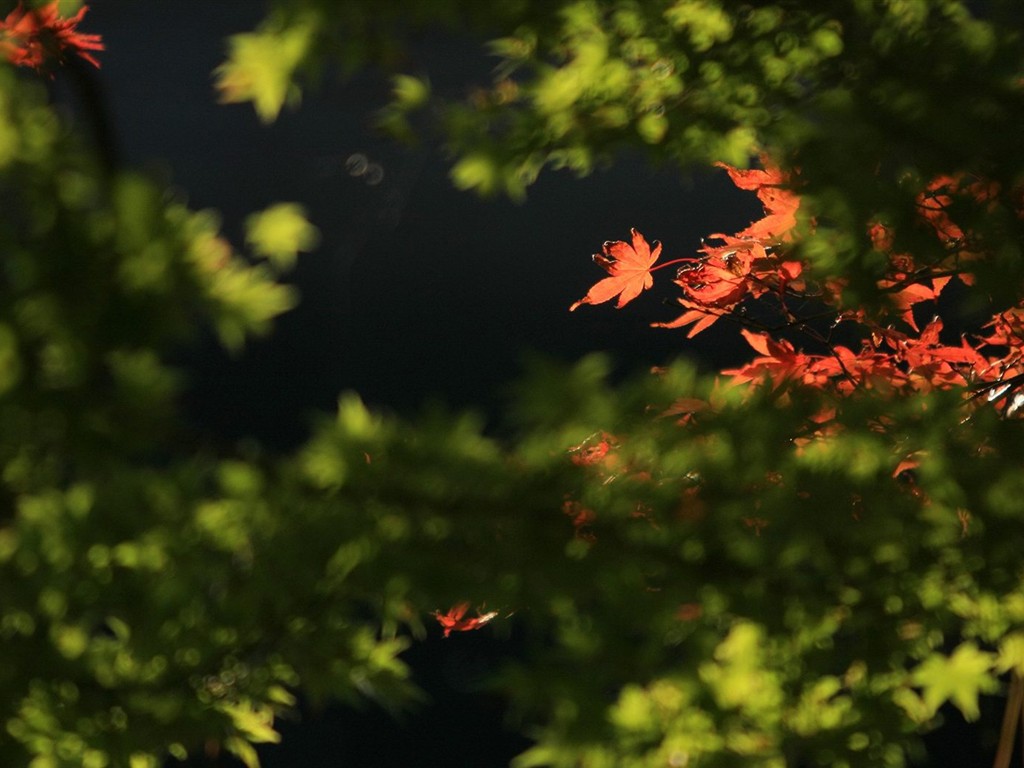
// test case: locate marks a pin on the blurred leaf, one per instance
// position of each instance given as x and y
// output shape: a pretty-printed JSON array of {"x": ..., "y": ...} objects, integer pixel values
[
  {"x": 261, "y": 66},
  {"x": 279, "y": 233},
  {"x": 959, "y": 678},
  {"x": 410, "y": 92},
  {"x": 477, "y": 171}
]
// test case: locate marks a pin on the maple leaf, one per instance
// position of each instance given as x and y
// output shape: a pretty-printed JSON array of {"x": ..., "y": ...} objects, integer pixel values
[
  {"x": 29, "y": 37},
  {"x": 261, "y": 67},
  {"x": 754, "y": 178},
  {"x": 715, "y": 284},
  {"x": 929, "y": 362},
  {"x": 933, "y": 204},
  {"x": 779, "y": 362},
  {"x": 958, "y": 678},
  {"x": 780, "y": 204},
  {"x": 700, "y": 319},
  {"x": 630, "y": 268},
  {"x": 454, "y": 620}
]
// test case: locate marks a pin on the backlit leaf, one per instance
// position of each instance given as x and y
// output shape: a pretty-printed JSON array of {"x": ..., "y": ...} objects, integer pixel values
[{"x": 280, "y": 232}]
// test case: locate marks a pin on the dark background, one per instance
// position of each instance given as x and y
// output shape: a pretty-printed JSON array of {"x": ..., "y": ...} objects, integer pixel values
[
  {"x": 417, "y": 293},
  {"x": 417, "y": 290}
]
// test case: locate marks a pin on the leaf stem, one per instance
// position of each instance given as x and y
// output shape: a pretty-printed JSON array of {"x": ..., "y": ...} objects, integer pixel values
[{"x": 674, "y": 261}]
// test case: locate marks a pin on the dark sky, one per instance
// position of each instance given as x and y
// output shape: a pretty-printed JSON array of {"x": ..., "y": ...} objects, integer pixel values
[{"x": 417, "y": 292}]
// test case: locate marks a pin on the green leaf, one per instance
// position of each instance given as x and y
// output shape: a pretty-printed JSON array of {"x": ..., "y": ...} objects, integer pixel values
[
  {"x": 410, "y": 92},
  {"x": 243, "y": 750},
  {"x": 261, "y": 66},
  {"x": 958, "y": 678},
  {"x": 652, "y": 127},
  {"x": 1011, "y": 654},
  {"x": 477, "y": 171},
  {"x": 280, "y": 232},
  {"x": 256, "y": 724},
  {"x": 246, "y": 300},
  {"x": 704, "y": 21}
]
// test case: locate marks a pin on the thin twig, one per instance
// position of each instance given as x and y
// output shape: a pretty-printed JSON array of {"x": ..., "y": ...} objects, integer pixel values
[{"x": 1008, "y": 732}]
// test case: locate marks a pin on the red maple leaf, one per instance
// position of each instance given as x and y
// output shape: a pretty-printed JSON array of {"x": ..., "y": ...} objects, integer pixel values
[
  {"x": 754, "y": 179},
  {"x": 780, "y": 204},
  {"x": 714, "y": 284},
  {"x": 29, "y": 37},
  {"x": 779, "y": 362},
  {"x": 630, "y": 270},
  {"x": 699, "y": 320},
  {"x": 932, "y": 363},
  {"x": 933, "y": 205},
  {"x": 454, "y": 620}
]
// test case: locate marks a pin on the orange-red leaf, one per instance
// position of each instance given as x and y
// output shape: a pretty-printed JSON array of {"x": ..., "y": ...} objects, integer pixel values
[
  {"x": 780, "y": 204},
  {"x": 754, "y": 178},
  {"x": 629, "y": 267},
  {"x": 700, "y": 319},
  {"x": 454, "y": 620},
  {"x": 29, "y": 37}
]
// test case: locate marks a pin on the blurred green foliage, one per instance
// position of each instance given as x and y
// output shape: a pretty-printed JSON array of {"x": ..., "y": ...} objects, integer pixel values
[{"x": 738, "y": 595}]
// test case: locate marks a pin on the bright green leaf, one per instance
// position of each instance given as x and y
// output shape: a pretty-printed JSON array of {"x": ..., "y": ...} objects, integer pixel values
[
  {"x": 959, "y": 678},
  {"x": 261, "y": 66},
  {"x": 280, "y": 232}
]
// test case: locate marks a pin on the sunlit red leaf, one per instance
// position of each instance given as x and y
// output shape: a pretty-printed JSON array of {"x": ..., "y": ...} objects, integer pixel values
[
  {"x": 630, "y": 268},
  {"x": 754, "y": 178},
  {"x": 780, "y": 204},
  {"x": 758, "y": 341},
  {"x": 31, "y": 37},
  {"x": 715, "y": 282},
  {"x": 933, "y": 206},
  {"x": 791, "y": 270},
  {"x": 454, "y": 620},
  {"x": 699, "y": 319}
]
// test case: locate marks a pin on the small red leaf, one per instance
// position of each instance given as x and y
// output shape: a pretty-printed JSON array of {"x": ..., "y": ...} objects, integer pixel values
[
  {"x": 454, "y": 620},
  {"x": 630, "y": 268}
]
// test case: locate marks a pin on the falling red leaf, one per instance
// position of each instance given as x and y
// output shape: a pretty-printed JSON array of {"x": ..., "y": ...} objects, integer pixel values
[
  {"x": 454, "y": 620},
  {"x": 30, "y": 37},
  {"x": 630, "y": 268}
]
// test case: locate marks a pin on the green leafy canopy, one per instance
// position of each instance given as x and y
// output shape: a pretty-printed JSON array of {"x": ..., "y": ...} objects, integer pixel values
[{"x": 701, "y": 578}]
